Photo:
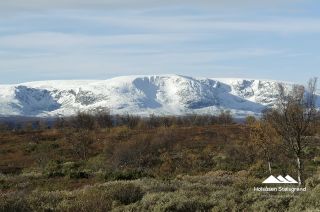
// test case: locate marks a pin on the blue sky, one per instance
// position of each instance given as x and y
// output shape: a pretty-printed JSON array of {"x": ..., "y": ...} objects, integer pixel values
[{"x": 100, "y": 39}]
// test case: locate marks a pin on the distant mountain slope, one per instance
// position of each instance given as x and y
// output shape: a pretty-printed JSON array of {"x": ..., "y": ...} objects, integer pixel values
[{"x": 141, "y": 95}]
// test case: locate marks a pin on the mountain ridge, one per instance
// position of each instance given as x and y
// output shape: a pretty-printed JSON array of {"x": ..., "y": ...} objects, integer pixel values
[{"x": 140, "y": 95}]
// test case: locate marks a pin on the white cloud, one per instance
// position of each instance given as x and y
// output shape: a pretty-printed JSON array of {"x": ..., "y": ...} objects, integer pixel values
[
  {"x": 50, "y": 40},
  {"x": 135, "y": 4},
  {"x": 111, "y": 61},
  {"x": 207, "y": 24}
]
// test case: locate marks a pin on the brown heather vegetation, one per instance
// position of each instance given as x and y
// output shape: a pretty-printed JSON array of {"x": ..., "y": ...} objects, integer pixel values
[{"x": 192, "y": 163}]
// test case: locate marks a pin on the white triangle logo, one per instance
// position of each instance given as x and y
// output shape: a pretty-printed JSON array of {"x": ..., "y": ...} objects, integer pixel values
[
  {"x": 290, "y": 179},
  {"x": 286, "y": 180}
]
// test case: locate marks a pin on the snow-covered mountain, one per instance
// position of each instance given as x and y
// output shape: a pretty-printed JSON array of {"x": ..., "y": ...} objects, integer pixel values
[{"x": 140, "y": 95}]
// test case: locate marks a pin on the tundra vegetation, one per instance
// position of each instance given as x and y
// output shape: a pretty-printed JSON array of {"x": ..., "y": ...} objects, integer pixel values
[{"x": 101, "y": 162}]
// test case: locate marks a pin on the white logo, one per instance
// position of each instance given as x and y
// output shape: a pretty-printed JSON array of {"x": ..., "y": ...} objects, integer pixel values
[{"x": 280, "y": 179}]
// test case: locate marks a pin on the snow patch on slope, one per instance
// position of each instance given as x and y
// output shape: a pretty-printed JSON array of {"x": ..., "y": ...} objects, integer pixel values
[{"x": 141, "y": 95}]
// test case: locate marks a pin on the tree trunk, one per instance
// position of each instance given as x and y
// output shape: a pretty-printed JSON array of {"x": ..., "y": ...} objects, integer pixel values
[
  {"x": 299, "y": 166},
  {"x": 269, "y": 167}
]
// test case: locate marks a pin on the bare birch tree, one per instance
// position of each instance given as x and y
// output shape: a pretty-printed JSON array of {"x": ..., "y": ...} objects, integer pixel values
[{"x": 293, "y": 119}]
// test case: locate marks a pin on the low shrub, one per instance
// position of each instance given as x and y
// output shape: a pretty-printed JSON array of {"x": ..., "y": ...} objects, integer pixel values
[
  {"x": 127, "y": 193},
  {"x": 275, "y": 204},
  {"x": 190, "y": 205},
  {"x": 125, "y": 175},
  {"x": 14, "y": 202},
  {"x": 79, "y": 175},
  {"x": 53, "y": 169},
  {"x": 88, "y": 199},
  {"x": 46, "y": 200},
  {"x": 308, "y": 201}
]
